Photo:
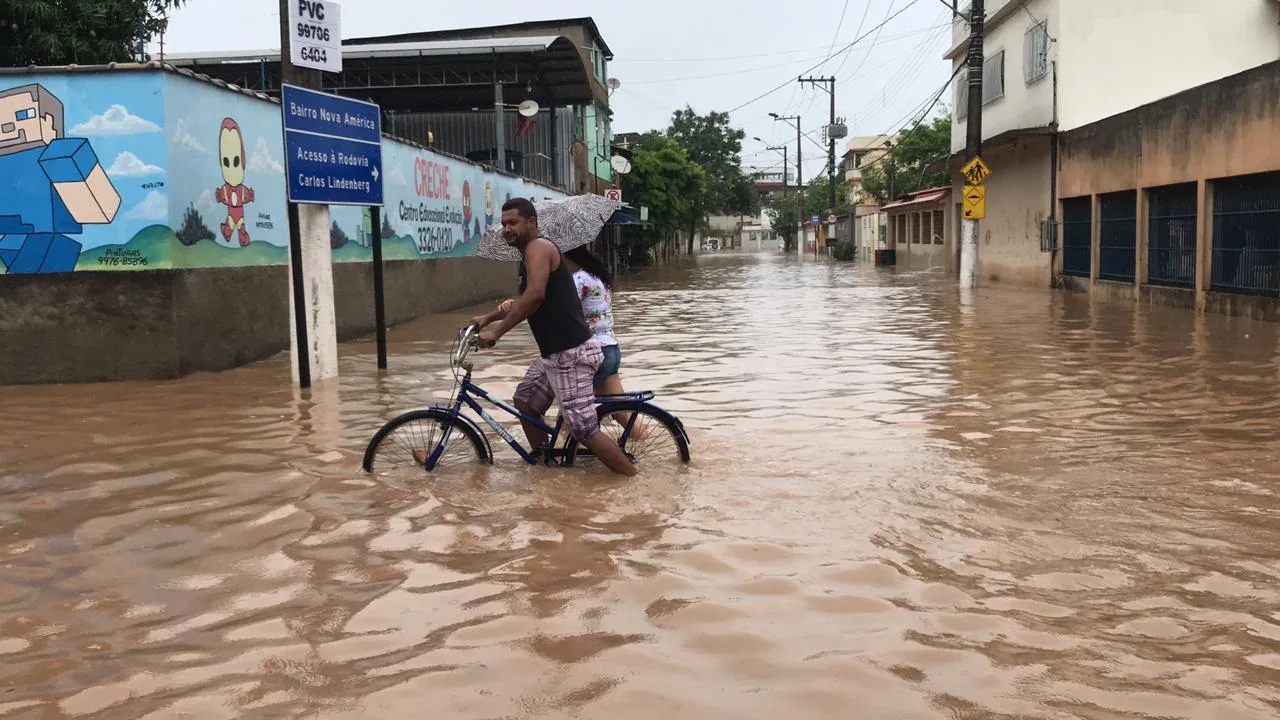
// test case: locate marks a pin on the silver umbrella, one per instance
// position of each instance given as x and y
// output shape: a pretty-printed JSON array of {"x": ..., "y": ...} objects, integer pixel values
[{"x": 569, "y": 223}]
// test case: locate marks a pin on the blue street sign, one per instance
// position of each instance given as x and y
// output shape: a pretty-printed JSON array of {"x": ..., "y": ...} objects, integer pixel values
[
  {"x": 815, "y": 219},
  {"x": 332, "y": 148}
]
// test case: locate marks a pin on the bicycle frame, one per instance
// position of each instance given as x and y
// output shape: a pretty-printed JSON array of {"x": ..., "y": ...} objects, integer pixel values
[
  {"x": 467, "y": 394},
  {"x": 469, "y": 391}
]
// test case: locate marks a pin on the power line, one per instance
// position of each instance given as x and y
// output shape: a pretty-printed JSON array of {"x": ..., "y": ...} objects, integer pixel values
[
  {"x": 874, "y": 42},
  {"x": 815, "y": 67},
  {"x": 839, "y": 27},
  {"x": 727, "y": 73},
  {"x": 932, "y": 103},
  {"x": 754, "y": 56},
  {"x": 865, "y": 12}
]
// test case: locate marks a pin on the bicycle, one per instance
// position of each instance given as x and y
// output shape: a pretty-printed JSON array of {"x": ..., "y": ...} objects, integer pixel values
[{"x": 445, "y": 420}]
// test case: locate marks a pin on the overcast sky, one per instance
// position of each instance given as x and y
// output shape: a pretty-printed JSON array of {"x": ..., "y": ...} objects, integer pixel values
[{"x": 711, "y": 54}]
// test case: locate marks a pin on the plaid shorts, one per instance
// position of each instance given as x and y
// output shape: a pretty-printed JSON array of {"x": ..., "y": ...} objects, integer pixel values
[{"x": 566, "y": 376}]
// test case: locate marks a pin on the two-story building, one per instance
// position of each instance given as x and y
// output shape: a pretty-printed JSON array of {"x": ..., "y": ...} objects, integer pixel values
[
  {"x": 1133, "y": 147},
  {"x": 870, "y": 224},
  {"x": 863, "y": 151}
]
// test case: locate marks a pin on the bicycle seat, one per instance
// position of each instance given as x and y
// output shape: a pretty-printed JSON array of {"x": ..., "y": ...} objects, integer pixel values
[{"x": 642, "y": 396}]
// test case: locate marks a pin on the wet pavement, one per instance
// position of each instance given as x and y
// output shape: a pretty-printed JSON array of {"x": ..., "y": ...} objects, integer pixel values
[{"x": 1036, "y": 506}]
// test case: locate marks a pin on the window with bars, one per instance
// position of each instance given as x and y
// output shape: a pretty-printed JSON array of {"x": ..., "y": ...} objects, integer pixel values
[
  {"x": 1118, "y": 235},
  {"x": 1077, "y": 236},
  {"x": 1035, "y": 53},
  {"x": 1246, "y": 235},
  {"x": 1171, "y": 235}
]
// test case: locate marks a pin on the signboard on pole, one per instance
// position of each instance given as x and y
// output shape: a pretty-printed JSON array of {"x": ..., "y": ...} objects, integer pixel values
[
  {"x": 315, "y": 34},
  {"x": 975, "y": 171},
  {"x": 614, "y": 194},
  {"x": 975, "y": 202},
  {"x": 332, "y": 148},
  {"x": 815, "y": 220}
]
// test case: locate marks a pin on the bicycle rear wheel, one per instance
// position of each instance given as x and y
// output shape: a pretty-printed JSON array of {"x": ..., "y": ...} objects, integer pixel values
[
  {"x": 407, "y": 440},
  {"x": 656, "y": 438}
]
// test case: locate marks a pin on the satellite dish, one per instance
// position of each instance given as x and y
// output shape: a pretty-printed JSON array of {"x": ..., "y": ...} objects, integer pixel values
[
  {"x": 621, "y": 164},
  {"x": 613, "y": 83},
  {"x": 528, "y": 108}
]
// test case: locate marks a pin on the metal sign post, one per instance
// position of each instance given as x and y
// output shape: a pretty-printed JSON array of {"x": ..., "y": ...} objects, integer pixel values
[{"x": 333, "y": 156}]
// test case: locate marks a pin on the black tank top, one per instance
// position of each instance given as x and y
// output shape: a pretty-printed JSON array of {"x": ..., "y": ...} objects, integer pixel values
[{"x": 558, "y": 324}]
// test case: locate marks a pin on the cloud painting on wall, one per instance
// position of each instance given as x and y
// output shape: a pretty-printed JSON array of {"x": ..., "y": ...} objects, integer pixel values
[{"x": 78, "y": 178}]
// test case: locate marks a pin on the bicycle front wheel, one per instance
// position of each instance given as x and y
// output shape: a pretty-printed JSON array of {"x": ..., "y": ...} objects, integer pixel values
[
  {"x": 407, "y": 441},
  {"x": 655, "y": 438}
]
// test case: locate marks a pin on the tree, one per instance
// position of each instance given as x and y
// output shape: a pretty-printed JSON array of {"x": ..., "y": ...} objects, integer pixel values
[
  {"x": 818, "y": 196},
  {"x": 784, "y": 217},
  {"x": 716, "y": 147},
  {"x": 84, "y": 32},
  {"x": 907, "y": 167},
  {"x": 337, "y": 236},
  {"x": 666, "y": 181},
  {"x": 193, "y": 229}
]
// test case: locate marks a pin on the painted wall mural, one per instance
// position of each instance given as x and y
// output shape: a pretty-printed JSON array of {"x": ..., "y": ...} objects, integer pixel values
[
  {"x": 153, "y": 170},
  {"x": 226, "y": 154},
  {"x": 81, "y": 172}
]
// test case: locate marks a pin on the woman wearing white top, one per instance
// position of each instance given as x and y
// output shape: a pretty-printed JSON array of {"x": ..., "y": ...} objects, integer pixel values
[{"x": 595, "y": 285}]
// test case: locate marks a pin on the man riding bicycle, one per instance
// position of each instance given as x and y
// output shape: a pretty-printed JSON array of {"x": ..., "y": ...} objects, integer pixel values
[{"x": 569, "y": 354}]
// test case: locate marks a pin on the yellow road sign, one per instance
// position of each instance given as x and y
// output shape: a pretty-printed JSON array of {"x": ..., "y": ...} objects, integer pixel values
[
  {"x": 975, "y": 202},
  {"x": 976, "y": 171}
]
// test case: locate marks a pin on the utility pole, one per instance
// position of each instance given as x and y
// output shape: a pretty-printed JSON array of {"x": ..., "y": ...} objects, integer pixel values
[
  {"x": 975, "y": 171},
  {"x": 785, "y": 164},
  {"x": 315, "y": 343},
  {"x": 830, "y": 86},
  {"x": 799, "y": 176}
]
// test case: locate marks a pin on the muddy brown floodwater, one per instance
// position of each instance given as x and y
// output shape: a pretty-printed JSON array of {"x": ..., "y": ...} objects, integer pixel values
[{"x": 1035, "y": 507}]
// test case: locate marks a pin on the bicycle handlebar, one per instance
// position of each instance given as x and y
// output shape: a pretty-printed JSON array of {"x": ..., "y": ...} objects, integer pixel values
[{"x": 466, "y": 343}]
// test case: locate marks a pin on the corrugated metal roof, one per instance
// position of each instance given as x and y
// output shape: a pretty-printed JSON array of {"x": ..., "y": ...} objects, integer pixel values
[
  {"x": 406, "y": 49},
  {"x": 921, "y": 198}
]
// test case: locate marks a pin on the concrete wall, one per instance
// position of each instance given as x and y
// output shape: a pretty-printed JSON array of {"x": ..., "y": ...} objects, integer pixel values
[
  {"x": 1019, "y": 197},
  {"x": 89, "y": 327},
  {"x": 167, "y": 277},
  {"x": 1218, "y": 130},
  {"x": 1116, "y": 56},
  {"x": 1223, "y": 129}
]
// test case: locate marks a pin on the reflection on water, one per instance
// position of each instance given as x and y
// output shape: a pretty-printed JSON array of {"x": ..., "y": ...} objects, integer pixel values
[{"x": 1041, "y": 507}]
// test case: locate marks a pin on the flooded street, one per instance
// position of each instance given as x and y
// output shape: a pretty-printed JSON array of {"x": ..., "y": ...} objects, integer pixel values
[{"x": 1035, "y": 507}]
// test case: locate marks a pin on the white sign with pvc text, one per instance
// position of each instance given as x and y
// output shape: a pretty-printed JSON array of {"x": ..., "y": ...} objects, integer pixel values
[{"x": 315, "y": 34}]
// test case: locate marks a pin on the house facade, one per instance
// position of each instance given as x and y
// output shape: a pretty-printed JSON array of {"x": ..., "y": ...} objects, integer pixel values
[{"x": 1132, "y": 148}]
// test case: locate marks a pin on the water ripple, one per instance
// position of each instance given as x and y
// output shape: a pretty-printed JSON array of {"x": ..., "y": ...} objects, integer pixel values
[{"x": 1032, "y": 507}]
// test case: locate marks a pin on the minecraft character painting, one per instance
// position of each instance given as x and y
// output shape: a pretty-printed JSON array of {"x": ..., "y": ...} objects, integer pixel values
[
  {"x": 233, "y": 193},
  {"x": 51, "y": 186},
  {"x": 466, "y": 211}
]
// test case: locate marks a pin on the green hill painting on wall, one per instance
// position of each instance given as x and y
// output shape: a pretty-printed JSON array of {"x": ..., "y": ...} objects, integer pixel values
[
  {"x": 150, "y": 249},
  {"x": 156, "y": 247}
]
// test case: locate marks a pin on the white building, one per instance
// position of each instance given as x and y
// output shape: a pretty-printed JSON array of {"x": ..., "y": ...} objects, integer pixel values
[{"x": 1093, "y": 109}]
